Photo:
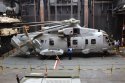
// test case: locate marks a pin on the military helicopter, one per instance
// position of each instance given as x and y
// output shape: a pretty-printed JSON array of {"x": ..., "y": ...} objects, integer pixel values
[{"x": 55, "y": 39}]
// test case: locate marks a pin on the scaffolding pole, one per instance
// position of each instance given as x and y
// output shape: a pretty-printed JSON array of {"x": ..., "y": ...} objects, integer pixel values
[
  {"x": 86, "y": 13},
  {"x": 93, "y": 18},
  {"x": 42, "y": 10}
]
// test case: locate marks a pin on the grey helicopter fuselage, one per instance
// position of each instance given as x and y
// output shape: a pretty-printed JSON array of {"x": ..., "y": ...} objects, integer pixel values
[
  {"x": 83, "y": 40},
  {"x": 56, "y": 41}
]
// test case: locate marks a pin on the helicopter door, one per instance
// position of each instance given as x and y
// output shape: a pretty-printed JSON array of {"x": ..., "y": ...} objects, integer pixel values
[
  {"x": 68, "y": 41},
  {"x": 78, "y": 43},
  {"x": 93, "y": 44}
]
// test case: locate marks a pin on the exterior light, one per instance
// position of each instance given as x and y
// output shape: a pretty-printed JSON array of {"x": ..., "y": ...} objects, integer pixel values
[
  {"x": 4, "y": 14},
  {"x": 124, "y": 6}
]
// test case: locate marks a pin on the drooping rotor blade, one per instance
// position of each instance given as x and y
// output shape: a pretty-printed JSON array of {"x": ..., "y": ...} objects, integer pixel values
[
  {"x": 54, "y": 21},
  {"x": 47, "y": 23},
  {"x": 70, "y": 21},
  {"x": 37, "y": 36},
  {"x": 32, "y": 23},
  {"x": 56, "y": 28},
  {"x": 27, "y": 23},
  {"x": 53, "y": 28},
  {"x": 50, "y": 25},
  {"x": 19, "y": 25},
  {"x": 25, "y": 30},
  {"x": 29, "y": 40}
]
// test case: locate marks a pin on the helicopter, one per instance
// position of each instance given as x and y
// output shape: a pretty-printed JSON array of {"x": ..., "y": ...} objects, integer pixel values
[{"x": 55, "y": 39}]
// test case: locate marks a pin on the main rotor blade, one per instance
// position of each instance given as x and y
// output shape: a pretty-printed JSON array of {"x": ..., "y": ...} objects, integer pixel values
[
  {"x": 37, "y": 36},
  {"x": 30, "y": 41},
  {"x": 25, "y": 30},
  {"x": 55, "y": 28},
  {"x": 34, "y": 24},
  {"x": 48, "y": 24}
]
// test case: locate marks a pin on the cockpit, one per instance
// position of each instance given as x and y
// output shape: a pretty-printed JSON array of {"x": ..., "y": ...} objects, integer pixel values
[{"x": 109, "y": 40}]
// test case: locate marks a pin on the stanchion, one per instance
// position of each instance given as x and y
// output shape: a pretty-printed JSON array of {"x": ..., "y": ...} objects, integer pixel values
[
  {"x": 112, "y": 69},
  {"x": 1, "y": 67},
  {"x": 2, "y": 63},
  {"x": 79, "y": 69},
  {"x": 30, "y": 67}
]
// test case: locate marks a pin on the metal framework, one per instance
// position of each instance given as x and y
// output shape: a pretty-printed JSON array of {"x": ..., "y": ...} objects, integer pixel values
[{"x": 63, "y": 9}]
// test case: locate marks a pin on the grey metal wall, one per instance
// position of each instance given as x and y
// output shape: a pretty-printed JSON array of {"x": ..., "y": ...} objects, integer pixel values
[
  {"x": 30, "y": 10},
  {"x": 63, "y": 9},
  {"x": 2, "y": 7},
  {"x": 104, "y": 19},
  {"x": 120, "y": 18}
]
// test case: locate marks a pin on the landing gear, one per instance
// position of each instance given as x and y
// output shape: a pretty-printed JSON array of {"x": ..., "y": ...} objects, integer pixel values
[
  {"x": 41, "y": 57},
  {"x": 106, "y": 53}
]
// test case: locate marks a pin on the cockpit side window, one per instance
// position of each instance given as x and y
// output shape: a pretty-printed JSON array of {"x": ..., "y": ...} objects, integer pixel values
[
  {"x": 109, "y": 41},
  {"x": 51, "y": 42},
  {"x": 93, "y": 41}
]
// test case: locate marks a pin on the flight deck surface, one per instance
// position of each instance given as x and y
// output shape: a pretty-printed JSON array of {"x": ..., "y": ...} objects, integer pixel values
[{"x": 109, "y": 69}]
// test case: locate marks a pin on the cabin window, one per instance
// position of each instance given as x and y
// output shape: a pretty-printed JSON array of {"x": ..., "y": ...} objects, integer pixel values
[
  {"x": 51, "y": 42},
  {"x": 42, "y": 41},
  {"x": 76, "y": 30},
  {"x": 108, "y": 41},
  {"x": 75, "y": 42},
  {"x": 106, "y": 37},
  {"x": 86, "y": 41},
  {"x": 93, "y": 41}
]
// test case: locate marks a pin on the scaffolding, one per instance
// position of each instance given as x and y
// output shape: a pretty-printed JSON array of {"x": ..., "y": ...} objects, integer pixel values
[
  {"x": 28, "y": 10},
  {"x": 32, "y": 11},
  {"x": 63, "y": 9},
  {"x": 123, "y": 34}
]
